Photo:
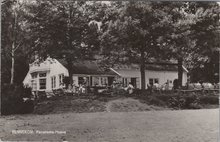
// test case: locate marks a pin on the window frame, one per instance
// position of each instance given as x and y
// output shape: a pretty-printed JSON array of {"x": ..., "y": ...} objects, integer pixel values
[
  {"x": 34, "y": 84},
  {"x": 153, "y": 80},
  {"x": 34, "y": 75},
  {"x": 40, "y": 83},
  {"x": 44, "y": 77},
  {"x": 53, "y": 82},
  {"x": 61, "y": 77}
]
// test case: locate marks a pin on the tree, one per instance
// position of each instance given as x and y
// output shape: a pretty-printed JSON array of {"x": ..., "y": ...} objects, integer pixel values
[
  {"x": 187, "y": 40},
  {"x": 63, "y": 30},
  {"x": 206, "y": 33},
  {"x": 134, "y": 32},
  {"x": 194, "y": 35},
  {"x": 14, "y": 35}
]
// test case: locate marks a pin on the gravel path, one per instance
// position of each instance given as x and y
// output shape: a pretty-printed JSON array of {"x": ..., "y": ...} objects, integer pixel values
[{"x": 150, "y": 126}]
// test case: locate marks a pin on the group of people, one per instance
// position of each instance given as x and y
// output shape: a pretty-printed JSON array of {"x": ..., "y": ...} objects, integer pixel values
[
  {"x": 129, "y": 88},
  {"x": 74, "y": 88},
  {"x": 82, "y": 88}
]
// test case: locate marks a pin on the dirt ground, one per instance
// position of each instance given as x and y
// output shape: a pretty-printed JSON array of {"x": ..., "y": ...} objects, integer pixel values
[
  {"x": 89, "y": 104},
  {"x": 120, "y": 103},
  {"x": 129, "y": 105},
  {"x": 149, "y": 126}
]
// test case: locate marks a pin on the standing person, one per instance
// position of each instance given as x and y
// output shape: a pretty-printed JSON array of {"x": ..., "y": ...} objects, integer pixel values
[
  {"x": 149, "y": 87},
  {"x": 74, "y": 88},
  {"x": 114, "y": 84},
  {"x": 130, "y": 88},
  {"x": 167, "y": 85},
  {"x": 80, "y": 88}
]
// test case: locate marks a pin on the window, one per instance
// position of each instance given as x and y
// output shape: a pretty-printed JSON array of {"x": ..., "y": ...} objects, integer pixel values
[
  {"x": 42, "y": 80},
  {"x": 153, "y": 80},
  {"x": 42, "y": 74},
  {"x": 61, "y": 76},
  {"x": 81, "y": 80},
  {"x": 53, "y": 82},
  {"x": 42, "y": 83},
  {"x": 125, "y": 82},
  {"x": 103, "y": 81},
  {"x": 96, "y": 81},
  {"x": 34, "y": 75},
  {"x": 34, "y": 85},
  {"x": 134, "y": 82},
  {"x": 156, "y": 80}
]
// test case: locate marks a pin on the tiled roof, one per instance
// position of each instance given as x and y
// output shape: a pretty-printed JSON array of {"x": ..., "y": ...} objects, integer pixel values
[
  {"x": 92, "y": 67},
  {"x": 87, "y": 67},
  {"x": 151, "y": 66}
]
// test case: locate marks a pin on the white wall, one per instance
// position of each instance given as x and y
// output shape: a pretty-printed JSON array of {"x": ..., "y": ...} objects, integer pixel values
[
  {"x": 27, "y": 79},
  {"x": 163, "y": 76},
  {"x": 128, "y": 73},
  {"x": 53, "y": 68}
]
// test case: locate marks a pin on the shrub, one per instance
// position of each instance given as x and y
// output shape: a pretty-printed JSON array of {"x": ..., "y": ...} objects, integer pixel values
[
  {"x": 12, "y": 100},
  {"x": 164, "y": 98},
  {"x": 139, "y": 92},
  {"x": 185, "y": 101},
  {"x": 156, "y": 101},
  {"x": 209, "y": 100},
  {"x": 176, "y": 102},
  {"x": 192, "y": 102}
]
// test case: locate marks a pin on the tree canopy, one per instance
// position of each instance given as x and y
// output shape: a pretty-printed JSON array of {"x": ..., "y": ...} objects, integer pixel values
[{"x": 118, "y": 32}]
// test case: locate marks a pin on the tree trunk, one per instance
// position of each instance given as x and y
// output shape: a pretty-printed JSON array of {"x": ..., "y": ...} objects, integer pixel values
[
  {"x": 69, "y": 44},
  {"x": 180, "y": 72},
  {"x": 12, "y": 64},
  {"x": 70, "y": 70},
  {"x": 142, "y": 69},
  {"x": 13, "y": 49}
]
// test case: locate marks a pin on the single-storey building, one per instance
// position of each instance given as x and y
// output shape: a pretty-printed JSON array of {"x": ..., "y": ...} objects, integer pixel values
[
  {"x": 89, "y": 73},
  {"x": 49, "y": 75},
  {"x": 154, "y": 73}
]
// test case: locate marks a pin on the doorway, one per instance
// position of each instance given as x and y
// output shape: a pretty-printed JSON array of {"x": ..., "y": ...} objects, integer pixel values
[
  {"x": 133, "y": 82},
  {"x": 110, "y": 80}
]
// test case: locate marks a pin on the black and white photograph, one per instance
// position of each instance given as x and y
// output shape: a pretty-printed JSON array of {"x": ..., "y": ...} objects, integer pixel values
[{"x": 110, "y": 71}]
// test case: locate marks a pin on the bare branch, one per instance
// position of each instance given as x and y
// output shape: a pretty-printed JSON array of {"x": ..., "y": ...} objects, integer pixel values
[{"x": 17, "y": 46}]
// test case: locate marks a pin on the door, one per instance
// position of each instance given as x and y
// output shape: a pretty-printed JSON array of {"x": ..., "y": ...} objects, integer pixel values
[
  {"x": 91, "y": 81},
  {"x": 110, "y": 80},
  {"x": 133, "y": 82}
]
